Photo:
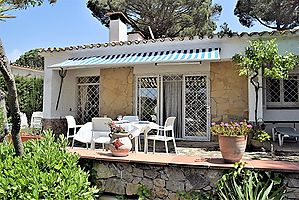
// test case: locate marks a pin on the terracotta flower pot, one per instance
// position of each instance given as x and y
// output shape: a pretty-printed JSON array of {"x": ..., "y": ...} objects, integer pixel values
[
  {"x": 24, "y": 138},
  {"x": 120, "y": 144},
  {"x": 232, "y": 147}
]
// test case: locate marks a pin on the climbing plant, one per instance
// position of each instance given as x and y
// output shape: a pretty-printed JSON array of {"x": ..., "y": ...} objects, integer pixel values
[{"x": 30, "y": 93}]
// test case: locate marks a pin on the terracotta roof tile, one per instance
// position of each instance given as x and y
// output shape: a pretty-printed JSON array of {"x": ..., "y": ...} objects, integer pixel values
[{"x": 136, "y": 42}]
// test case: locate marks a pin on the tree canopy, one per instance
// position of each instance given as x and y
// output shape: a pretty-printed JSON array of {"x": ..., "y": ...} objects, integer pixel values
[
  {"x": 7, "y": 5},
  {"x": 166, "y": 18},
  {"x": 262, "y": 58},
  {"x": 274, "y": 14},
  {"x": 31, "y": 59}
]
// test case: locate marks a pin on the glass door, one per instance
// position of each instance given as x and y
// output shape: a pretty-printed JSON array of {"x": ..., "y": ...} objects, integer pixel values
[
  {"x": 196, "y": 110},
  {"x": 147, "y": 98},
  {"x": 182, "y": 96}
]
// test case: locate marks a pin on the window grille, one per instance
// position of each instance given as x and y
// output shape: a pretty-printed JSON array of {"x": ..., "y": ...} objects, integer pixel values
[
  {"x": 195, "y": 106},
  {"x": 183, "y": 96},
  {"x": 147, "y": 94},
  {"x": 88, "y": 98},
  {"x": 282, "y": 93}
]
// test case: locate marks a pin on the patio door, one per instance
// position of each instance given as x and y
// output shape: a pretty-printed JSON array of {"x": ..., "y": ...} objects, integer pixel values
[
  {"x": 182, "y": 96},
  {"x": 88, "y": 98},
  {"x": 196, "y": 108}
]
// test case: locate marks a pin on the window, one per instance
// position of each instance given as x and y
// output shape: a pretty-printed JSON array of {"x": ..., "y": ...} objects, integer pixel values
[{"x": 282, "y": 93}]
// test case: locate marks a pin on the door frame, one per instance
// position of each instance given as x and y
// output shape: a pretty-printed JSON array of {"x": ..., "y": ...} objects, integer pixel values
[
  {"x": 208, "y": 120},
  {"x": 160, "y": 100}
]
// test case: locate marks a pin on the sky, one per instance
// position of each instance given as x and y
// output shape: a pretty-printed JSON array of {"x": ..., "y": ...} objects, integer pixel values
[{"x": 70, "y": 22}]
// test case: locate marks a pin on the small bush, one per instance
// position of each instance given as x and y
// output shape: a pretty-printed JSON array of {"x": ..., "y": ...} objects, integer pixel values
[{"x": 45, "y": 171}]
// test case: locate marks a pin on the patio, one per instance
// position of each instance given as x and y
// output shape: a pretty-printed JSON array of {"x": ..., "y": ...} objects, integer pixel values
[
  {"x": 193, "y": 169},
  {"x": 288, "y": 152}
]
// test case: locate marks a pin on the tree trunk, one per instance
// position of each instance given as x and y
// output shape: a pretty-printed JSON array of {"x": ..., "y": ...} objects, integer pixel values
[
  {"x": 12, "y": 100},
  {"x": 3, "y": 116},
  {"x": 256, "y": 88}
]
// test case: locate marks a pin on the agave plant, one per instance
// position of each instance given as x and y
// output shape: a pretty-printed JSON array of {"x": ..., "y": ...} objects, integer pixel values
[{"x": 242, "y": 184}]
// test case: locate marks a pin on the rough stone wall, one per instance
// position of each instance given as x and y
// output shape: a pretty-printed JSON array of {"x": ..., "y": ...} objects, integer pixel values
[
  {"x": 292, "y": 182},
  {"x": 59, "y": 126},
  {"x": 116, "y": 92},
  {"x": 165, "y": 181},
  {"x": 229, "y": 92}
]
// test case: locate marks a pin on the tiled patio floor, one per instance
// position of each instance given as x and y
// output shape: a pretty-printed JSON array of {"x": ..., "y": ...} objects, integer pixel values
[{"x": 199, "y": 158}]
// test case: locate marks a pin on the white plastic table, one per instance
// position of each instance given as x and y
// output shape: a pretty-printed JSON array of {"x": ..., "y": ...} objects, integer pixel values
[{"x": 84, "y": 134}]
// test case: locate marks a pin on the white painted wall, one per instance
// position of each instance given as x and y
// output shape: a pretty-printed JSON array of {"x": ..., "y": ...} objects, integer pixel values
[
  {"x": 26, "y": 72},
  {"x": 171, "y": 68},
  {"x": 68, "y": 98},
  {"x": 251, "y": 101}
]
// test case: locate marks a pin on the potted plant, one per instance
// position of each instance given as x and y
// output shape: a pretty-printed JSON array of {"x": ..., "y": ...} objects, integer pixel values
[
  {"x": 27, "y": 134},
  {"x": 232, "y": 139},
  {"x": 120, "y": 140},
  {"x": 259, "y": 138}
]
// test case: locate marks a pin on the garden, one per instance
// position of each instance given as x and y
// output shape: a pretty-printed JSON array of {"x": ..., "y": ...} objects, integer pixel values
[{"x": 47, "y": 170}]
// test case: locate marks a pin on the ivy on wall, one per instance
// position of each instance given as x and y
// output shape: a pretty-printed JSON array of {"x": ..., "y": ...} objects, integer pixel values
[{"x": 30, "y": 93}]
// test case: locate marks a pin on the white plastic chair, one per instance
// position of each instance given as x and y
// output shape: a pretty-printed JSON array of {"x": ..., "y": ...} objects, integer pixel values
[
  {"x": 71, "y": 124},
  {"x": 84, "y": 135},
  {"x": 24, "y": 120},
  {"x": 101, "y": 130},
  {"x": 162, "y": 134},
  {"x": 131, "y": 118},
  {"x": 36, "y": 120}
]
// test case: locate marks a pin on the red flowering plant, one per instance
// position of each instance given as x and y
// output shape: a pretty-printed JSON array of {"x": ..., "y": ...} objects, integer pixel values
[
  {"x": 116, "y": 129},
  {"x": 231, "y": 128}
]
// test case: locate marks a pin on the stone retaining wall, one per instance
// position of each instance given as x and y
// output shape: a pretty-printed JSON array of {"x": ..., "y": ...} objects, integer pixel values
[
  {"x": 59, "y": 126},
  {"x": 164, "y": 181}
]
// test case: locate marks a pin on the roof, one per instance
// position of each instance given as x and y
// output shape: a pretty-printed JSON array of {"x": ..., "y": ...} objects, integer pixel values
[
  {"x": 200, "y": 37},
  {"x": 38, "y": 69}
]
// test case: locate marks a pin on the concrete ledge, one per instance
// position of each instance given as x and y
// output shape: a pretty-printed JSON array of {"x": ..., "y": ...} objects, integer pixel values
[{"x": 163, "y": 159}]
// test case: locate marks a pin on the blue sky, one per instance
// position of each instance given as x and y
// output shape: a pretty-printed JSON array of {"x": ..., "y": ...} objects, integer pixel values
[{"x": 69, "y": 22}]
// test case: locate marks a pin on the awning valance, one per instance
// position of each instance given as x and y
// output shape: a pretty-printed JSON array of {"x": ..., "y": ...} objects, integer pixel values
[{"x": 146, "y": 57}]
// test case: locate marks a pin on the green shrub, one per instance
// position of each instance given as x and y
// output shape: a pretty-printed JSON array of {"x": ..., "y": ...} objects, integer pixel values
[
  {"x": 30, "y": 93},
  {"x": 242, "y": 184},
  {"x": 45, "y": 171}
]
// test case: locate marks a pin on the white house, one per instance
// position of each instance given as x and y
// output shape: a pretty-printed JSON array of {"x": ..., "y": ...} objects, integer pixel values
[
  {"x": 192, "y": 78},
  {"x": 26, "y": 71}
]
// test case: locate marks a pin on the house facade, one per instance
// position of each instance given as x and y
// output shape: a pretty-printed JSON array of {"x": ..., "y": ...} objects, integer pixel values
[{"x": 192, "y": 78}]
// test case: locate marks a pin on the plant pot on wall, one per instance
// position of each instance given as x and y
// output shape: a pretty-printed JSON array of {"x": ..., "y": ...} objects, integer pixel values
[
  {"x": 232, "y": 147},
  {"x": 120, "y": 144},
  {"x": 24, "y": 138}
]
